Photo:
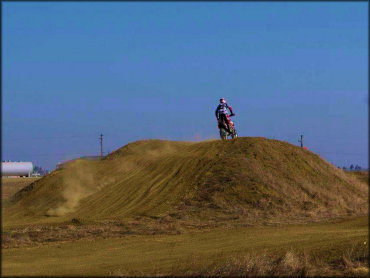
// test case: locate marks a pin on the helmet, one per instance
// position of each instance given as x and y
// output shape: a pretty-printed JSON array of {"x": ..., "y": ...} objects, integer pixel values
[{"x": 222, "y": 100}]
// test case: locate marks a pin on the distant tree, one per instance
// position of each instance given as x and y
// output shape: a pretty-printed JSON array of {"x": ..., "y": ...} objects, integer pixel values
[
  {"x": 351, "y": 167},
  {"x": 344, "y": 168},
  {"x": 357, "y": 167},
  {"x": 40, "y": 170}
]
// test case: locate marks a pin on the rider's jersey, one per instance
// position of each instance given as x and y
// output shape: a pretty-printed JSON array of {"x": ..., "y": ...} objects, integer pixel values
[{"x": 222, "y": 109}]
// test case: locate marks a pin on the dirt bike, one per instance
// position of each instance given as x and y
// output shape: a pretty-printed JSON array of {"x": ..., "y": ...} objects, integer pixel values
[{"x": 223, "y": 128}]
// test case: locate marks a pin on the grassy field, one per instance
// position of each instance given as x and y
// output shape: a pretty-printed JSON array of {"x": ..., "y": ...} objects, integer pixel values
[
  {"x": 159, "y": 207},
  {"x": 335, "y": 248}
]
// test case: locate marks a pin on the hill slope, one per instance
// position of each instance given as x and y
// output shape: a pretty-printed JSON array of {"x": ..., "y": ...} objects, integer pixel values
[{"x": 247, "y": 179}]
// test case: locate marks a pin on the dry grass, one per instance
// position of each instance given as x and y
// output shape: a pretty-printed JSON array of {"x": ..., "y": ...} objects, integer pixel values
[
  {"x": 9, "y": 186},
  {"x": 166, "y": 201},
  {"x": 247, "y": 180},
  {"x": 362, "y": 175},
  {"x": 37, "y": 235},
  {"x": 354, "y": 263},
  {"x": 331, "y": 249}
]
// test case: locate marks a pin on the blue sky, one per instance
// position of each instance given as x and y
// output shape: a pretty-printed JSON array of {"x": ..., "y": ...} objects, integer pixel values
[{"x": 135, "y": 71}]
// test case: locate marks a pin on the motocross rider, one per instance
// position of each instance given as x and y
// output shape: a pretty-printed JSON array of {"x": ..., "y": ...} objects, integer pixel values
[{"x": 221, "y": 112}]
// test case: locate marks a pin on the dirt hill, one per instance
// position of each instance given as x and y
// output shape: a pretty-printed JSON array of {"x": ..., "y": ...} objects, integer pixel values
[{"x": 250, "y": 180}]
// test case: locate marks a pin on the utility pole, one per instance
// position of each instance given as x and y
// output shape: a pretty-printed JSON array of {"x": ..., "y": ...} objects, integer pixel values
[
  {"x": 101, "y": 145},
  {"x": 301, "y": 141}
]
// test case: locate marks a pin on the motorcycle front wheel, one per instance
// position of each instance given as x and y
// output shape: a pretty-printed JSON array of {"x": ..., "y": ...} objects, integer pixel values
[
  {"x": 223, "y": 134},
  {"x": 234, "y": 134}
]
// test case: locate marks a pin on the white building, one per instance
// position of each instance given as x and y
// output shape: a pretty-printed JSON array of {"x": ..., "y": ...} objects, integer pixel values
[{"x": 16, "y": 169}]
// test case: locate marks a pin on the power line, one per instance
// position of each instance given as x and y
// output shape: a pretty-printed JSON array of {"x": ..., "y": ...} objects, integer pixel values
[
  {"x": 64, "y": 154},
  {"x": 342, "y": 153},
  {"x": 102, "y": 152},
  {"x": 46, "y": 138},
  {"x": 26, "y": 138}
]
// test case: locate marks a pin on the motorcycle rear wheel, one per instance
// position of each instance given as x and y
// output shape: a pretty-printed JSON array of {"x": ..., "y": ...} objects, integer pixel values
[{"x": 234, "y": 134}]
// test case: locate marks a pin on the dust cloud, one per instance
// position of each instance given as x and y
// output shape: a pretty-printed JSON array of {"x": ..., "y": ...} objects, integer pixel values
[{"x": 78, "y": 183}]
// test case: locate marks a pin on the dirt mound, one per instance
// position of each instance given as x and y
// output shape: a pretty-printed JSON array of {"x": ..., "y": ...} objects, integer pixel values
[{"x": 248, "y": 179}]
